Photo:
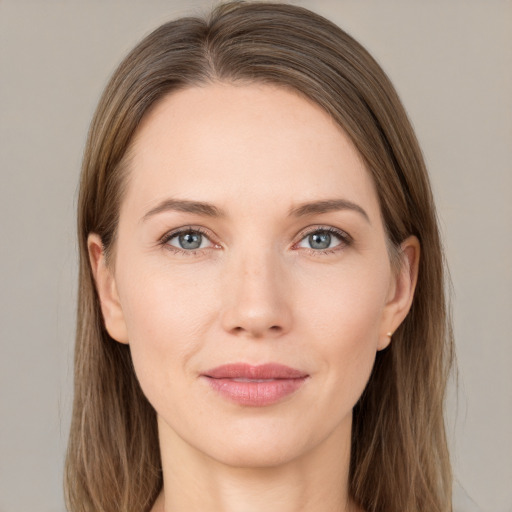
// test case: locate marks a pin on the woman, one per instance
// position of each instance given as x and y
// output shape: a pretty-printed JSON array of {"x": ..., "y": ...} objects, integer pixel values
[{"x": 262, "y": 322}]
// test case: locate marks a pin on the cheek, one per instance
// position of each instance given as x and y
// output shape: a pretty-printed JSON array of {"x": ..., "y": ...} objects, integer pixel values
[
  {"x": 167, "y": 315},
  {"x": 345, "y": 322},
  {"x": 159, "y": 299},
  {"x": 347, "y": 301}
]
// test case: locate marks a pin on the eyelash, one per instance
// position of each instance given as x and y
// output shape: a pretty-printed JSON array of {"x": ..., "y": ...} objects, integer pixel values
[
  {"x": 164, "y": 241},
  {"x": 345, "y": 240}
]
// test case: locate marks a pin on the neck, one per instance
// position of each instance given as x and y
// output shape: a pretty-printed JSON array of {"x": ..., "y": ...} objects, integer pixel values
[{"x": 316, "y": 481}]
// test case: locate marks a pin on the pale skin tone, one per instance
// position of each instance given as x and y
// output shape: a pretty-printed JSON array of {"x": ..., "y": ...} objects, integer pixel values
[{"x": 268, "y": 280}]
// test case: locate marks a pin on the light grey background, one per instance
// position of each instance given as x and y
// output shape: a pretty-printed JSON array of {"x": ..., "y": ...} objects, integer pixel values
[{"x": 450, "y": 60}]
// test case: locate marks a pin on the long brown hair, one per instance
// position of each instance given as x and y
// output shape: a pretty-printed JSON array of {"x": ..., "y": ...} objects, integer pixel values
[{"x": 399, "y": 457}]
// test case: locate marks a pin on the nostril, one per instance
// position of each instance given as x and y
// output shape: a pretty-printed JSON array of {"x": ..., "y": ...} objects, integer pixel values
[{"x": 257, "y": 331}]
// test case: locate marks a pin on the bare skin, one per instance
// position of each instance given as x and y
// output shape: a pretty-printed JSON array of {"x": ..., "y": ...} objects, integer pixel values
[{"x": 251, "y": 232}]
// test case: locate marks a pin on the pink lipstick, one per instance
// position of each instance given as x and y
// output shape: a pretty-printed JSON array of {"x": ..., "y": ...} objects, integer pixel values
[{"x": 255, "y": 386}]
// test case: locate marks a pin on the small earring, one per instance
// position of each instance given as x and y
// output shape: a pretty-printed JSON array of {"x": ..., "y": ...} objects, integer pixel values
[{"x": 389, "y": 335}]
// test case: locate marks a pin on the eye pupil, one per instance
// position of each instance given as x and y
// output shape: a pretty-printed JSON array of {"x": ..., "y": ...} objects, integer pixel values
[
  {"x": 320, "y": 240},
  {"x": 190, "y": 240}
]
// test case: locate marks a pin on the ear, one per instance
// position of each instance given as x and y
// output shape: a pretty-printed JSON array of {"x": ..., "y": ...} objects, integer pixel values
[
  {"x": 107, "y": 290},
  {"x": 401, "y": 290}
]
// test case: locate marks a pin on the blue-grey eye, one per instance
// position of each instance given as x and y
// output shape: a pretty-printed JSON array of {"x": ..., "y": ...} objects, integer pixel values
[
  {"x": 189, "y": 240},
  {"x": 321, "y": 239}
]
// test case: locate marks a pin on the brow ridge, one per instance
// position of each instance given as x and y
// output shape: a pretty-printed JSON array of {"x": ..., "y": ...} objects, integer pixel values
[
  {"x": 186, "y": 206},
  {"x": 210, "y": 210},
  {"x": 326, "y": 206}
]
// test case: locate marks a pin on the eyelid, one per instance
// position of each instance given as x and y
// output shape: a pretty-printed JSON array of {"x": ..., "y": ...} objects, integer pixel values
[
  {"x": 163, "y": 241},
  {"x": 344, "y": 237}
]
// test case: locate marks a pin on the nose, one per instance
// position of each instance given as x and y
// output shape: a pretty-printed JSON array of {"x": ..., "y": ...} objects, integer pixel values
[{"x": 255, "y": 299}]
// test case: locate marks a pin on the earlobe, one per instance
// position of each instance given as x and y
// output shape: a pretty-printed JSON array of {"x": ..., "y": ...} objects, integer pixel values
[
  {"x": 107, "y": 290},
  {"x": 402, "y": 290}
]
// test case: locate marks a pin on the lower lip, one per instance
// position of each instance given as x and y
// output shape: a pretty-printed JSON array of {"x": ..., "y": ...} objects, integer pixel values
[{"x": 256, "y": 394}]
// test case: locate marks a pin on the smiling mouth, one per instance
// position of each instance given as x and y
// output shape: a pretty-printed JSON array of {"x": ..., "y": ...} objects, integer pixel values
[
  {"x": 252, "y": 380},
  {"x": 255, "y": 386}
]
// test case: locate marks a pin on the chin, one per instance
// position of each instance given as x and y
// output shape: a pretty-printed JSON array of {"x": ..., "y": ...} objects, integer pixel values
[
  {"x": 261, "y": 444},
  {"x": 257, "y": 456}
]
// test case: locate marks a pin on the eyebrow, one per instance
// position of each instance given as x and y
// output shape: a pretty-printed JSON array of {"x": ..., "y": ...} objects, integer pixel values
[
  {"x": 326, "y": 206},
  {"x": 183, "y": 205},
  {"x": 210, "y": 210}
]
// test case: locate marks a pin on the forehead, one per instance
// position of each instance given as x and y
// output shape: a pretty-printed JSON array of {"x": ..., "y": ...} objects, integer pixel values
[{"x": 250, "y": 144}]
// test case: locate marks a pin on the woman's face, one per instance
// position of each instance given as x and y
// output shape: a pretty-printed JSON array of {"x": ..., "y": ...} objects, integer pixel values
[{"x": 250, "y": 236}]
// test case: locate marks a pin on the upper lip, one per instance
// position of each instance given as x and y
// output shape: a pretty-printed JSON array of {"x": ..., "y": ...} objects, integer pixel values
[{"x": 247, "y": 371}]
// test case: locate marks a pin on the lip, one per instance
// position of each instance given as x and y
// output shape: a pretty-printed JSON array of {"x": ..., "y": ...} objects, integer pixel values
[{"x": 255, "y": 386}]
